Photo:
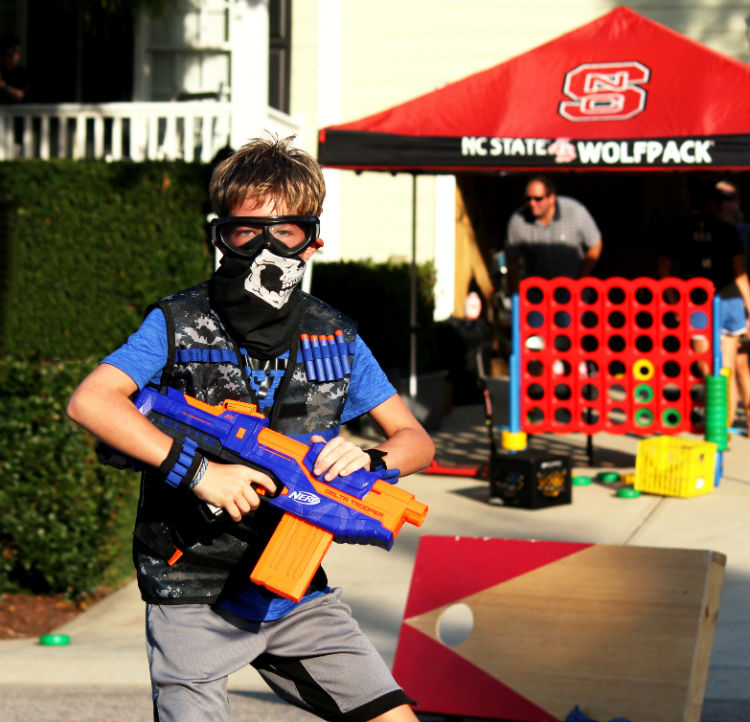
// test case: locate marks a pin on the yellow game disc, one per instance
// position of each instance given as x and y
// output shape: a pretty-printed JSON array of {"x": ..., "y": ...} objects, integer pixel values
[{"x": 643, "y": 369}]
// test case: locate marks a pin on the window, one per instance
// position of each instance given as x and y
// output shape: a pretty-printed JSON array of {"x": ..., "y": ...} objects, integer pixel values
[
  {"x": 189, "y": 50},
  {"x": 279, "y": 53}
]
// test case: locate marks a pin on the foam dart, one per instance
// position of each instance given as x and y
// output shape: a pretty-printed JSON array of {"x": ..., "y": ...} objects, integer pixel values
[
  {"x": 325, "y": 352},
  {"x": 317, "y": 358},
  {"x": 343, "y": 352},
  {"x": 307, "y": 356},
  {"x": 338, "y": 371}
]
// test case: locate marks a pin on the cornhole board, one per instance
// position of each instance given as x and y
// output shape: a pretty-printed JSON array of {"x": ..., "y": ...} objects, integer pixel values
[{"x": 617, "y": 631}]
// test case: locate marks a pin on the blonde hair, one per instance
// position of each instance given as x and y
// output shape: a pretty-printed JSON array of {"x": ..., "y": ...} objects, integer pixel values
[{"x": 269, "y": 168}]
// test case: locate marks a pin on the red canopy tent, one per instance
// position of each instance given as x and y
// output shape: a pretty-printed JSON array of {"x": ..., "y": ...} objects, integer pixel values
[{"x": 620, "y": 93}]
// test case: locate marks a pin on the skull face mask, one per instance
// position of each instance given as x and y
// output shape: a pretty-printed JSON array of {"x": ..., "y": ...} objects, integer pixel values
[
  {"x": 259, "y": 301},
  {"x": 273, "y": 278}
]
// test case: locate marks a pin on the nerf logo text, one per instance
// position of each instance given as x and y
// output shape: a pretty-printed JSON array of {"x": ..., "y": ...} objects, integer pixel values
[
  {"x": 604, "y": 91},
  {"x": 304, "y": 497}
]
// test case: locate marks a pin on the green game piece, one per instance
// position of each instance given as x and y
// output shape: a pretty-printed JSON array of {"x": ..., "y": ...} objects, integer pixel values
[
  {"x": 608, "y": 477},
  {"x": 628, "y": 493},
  {"x": 54, "y": 640},
  {"x": 643, "y": 393},
  {"x": 644, "y": 417},
  {"x": 580, "y": 480}
]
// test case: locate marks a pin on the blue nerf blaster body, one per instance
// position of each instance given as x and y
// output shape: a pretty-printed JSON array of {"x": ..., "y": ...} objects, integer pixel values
[{"x": 360, "y": 508}]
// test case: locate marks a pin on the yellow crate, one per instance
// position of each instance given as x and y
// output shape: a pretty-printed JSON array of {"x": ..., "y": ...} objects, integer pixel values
[{"x": 675, "y": 467}]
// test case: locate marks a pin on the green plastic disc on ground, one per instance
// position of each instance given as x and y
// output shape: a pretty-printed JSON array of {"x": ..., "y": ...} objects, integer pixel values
[
  {"x": 580, "y": 480},
  {"x": 54, "y": 640},
  {"x": 608, "y": 477},
  {"x": 628, "y": 493}
]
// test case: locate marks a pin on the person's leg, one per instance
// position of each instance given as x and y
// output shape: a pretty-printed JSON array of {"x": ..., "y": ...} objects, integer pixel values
[
  {"x": 318, "y": 659},
  {"x": 732, "y": 325},
  {"x": 742, "y": 380},
  {"x": 700, "y": 344},
  {"x": 728, "y": 356},
  {"x": 191, "y": 652}
]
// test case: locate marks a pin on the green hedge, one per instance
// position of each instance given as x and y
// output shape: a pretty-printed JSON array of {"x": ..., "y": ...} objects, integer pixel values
[
  {"x": 377, "y": 296},
  {"x": 64, "y": 518},
  {"x": 84, "y": 247},
  {"x": 87, "y": 245}
]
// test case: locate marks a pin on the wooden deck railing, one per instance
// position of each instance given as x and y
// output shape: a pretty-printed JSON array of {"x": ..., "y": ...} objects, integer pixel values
[{"x": 191, "y": 131}]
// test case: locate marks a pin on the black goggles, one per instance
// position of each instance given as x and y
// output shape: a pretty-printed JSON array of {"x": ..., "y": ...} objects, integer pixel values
[{"x": 246, "y": 236}]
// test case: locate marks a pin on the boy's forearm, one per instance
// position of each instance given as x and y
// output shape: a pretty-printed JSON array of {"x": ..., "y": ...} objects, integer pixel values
[
  {"x": 408, "y": 446},
  {"x": 106, "y": 411},
  {"x": 409, "y": 450}
]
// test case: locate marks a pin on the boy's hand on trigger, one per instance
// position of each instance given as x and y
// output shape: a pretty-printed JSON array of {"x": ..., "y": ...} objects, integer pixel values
[
  {"x": 229, "y": 486},
  {"x": 339, "y": 457}
]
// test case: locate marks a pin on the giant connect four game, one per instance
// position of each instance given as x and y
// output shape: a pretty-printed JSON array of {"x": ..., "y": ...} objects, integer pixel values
[{"x": 615, "y": 355}]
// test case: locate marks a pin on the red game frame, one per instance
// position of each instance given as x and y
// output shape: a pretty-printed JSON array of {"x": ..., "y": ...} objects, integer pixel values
[{"x": 615, "y": 355}]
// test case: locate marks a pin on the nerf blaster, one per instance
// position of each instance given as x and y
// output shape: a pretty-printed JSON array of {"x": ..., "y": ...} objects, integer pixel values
[{"x": 357, "y": 509}]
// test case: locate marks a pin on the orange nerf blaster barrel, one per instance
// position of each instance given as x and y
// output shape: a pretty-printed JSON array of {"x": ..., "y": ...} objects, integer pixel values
[
  {"x": 297, "y": 547},
  {"x": 360, "y": 508}
]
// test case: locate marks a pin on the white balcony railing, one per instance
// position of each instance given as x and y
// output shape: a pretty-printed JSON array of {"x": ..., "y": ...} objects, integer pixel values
[{"x": 191, "y": 131}]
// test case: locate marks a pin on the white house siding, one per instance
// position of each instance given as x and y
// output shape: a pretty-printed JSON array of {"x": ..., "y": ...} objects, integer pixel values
[{"x": 392, "y": 51}]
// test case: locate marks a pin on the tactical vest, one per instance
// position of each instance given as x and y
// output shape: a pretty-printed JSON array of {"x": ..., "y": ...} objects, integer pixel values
[{"x": 205, "y": 362}]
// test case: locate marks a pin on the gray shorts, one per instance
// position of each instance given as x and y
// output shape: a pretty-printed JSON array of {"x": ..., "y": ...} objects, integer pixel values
[{"x": 316, "y": 658}]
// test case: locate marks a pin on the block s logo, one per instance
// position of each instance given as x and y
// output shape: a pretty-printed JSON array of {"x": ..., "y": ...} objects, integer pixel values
[{"x": 604, "y": 91}]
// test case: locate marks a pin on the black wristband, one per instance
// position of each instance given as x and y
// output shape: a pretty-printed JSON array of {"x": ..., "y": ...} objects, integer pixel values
[
  {"x": 174, "y": 453},
  {"x": 184, "y": 466},
  {"x": 377, "y": 462}
]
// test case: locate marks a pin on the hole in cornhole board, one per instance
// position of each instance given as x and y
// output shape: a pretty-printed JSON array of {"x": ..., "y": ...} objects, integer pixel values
[{"x": 455, "y": 625}]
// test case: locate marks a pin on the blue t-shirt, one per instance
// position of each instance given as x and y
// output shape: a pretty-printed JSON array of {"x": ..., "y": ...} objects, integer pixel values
[{"x": 144, "y": 355}]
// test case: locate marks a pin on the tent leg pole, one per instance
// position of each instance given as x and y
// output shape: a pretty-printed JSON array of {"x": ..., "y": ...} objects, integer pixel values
[{"x": 413, "y": 293}]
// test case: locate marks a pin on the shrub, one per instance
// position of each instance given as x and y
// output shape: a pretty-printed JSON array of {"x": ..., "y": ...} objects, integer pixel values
[
  {"x": 377, "y": 296},
  {"x": 84, "y": 247},
  {"x": 87, "y": 245},
  {"x": 62, "y": 514}
]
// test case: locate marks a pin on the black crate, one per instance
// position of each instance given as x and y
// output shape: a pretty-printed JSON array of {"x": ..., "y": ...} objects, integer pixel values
[{"x": 530, "y": 479}]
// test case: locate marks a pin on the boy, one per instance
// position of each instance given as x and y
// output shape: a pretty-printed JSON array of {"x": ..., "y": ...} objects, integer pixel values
[{"x": 237, "y": 336}]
